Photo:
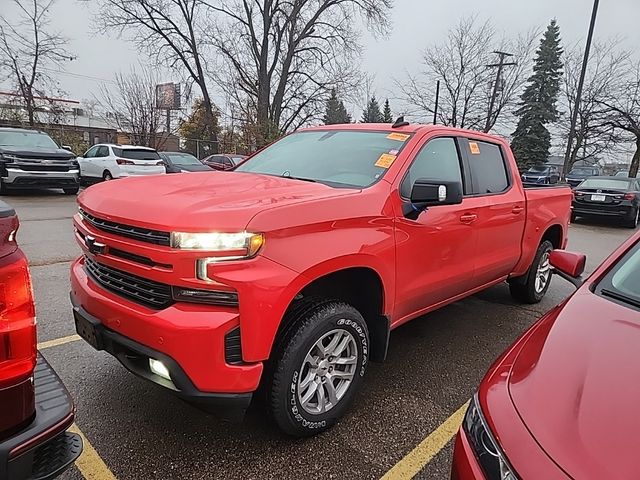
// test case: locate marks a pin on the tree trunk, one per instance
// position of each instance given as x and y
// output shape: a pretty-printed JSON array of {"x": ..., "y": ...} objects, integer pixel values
[{"x": 635, "y": 161}]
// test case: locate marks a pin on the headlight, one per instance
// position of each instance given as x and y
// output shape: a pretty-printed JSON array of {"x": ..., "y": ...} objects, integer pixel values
[
  {"x": 492, "y": 460},
  {"x": 7, "y": 158},
  {"x": 237, "y": 245}
]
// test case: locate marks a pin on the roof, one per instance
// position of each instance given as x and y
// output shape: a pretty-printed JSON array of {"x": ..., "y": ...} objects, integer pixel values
[
  {"x": 126, "y": 147},
  {"x": 17, "y": 129}
]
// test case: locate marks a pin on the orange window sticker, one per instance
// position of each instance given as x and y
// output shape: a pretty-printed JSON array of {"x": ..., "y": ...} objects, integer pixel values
[
  {"x": 475, "y": 148},
  {"x": 400, "y": 137},
  {"x": 386, "y": 160}
]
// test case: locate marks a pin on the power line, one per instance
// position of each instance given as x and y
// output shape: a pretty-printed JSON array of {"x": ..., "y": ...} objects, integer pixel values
[{"x": 78, "y": 75}]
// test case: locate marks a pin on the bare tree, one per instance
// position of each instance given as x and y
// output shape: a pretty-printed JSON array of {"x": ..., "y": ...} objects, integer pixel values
[
  {"x": 622, "y": 109},
  {"x": 281, "y": 58},
  {"x": 460, "y": 63},
  {"x": 175, "y": 33},
  {"x": 595, "y": 134},
  {"x": 28, "y": 49},
  {"x": 132, "y": 107}
]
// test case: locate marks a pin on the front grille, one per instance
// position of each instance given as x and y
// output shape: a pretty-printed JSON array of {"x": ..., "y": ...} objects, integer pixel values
[
  {"x": 232, "y": 347},
  {"x": 40, "y": 167},
  {"x": 137, "y": 233},
  {"x": 140, "y": 290}
]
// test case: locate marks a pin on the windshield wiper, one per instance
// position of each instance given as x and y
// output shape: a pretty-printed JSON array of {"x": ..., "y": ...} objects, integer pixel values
[
  {"x": 620, "y": 296},
  {"x": 302, "y": 179}
]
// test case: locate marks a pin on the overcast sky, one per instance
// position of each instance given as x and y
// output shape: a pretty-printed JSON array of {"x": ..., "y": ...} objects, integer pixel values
[{"x": 416, "y": 24}]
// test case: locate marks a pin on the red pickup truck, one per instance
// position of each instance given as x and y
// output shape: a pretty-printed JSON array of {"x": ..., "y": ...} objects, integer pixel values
[
  {"x": 35, "y": 407},
  {"x": 289, "y": 272}
]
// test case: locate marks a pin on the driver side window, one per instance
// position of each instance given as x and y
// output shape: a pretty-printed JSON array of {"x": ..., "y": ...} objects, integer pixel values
[
  {"x": 91, "y": 152},
  {"x": 438, "y": 160}
]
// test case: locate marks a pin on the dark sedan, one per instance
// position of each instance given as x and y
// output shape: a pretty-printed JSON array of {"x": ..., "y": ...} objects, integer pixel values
[
  {"x": 542, "y": 174},
  {"x": 579, "y": 174},
  {"x": 608, "y": 197},
  {"x": 223, "y": 161},
  {"x": 177, "y": 162}
]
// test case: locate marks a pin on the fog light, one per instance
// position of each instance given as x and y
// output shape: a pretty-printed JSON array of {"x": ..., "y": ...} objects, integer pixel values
[{"x": 158, "y": 368}]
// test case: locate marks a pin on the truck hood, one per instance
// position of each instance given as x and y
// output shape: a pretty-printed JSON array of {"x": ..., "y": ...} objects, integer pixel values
[
  {"x": 33, "y": 152},
  {"x": 575, "y": 385},
  {"x": 200, "y": 201}
]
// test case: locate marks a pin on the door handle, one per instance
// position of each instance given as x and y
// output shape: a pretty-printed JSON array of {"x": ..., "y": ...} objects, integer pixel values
[
  {"x": 517, "y": 210},
  {"x": 468, "y": 218}
]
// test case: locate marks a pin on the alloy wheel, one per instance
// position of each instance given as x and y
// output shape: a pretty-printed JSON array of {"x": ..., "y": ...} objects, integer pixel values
[{"x": 543, "y": 275}]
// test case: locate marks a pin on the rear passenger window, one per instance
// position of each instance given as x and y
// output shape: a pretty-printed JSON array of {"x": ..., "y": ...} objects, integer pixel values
[
  {"x": 438, "y": 160},
  {"x": 488, "y": 169}
]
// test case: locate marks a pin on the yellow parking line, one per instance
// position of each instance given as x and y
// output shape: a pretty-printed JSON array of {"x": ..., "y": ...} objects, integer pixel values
[
  {"x": 58, "y": 341},
  {"x": 89, "y": 463},
  {"x": 420, "y": 456}
]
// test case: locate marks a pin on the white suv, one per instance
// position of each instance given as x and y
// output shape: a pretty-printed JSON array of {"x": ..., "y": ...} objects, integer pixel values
[{"x": 107, "y": 161}]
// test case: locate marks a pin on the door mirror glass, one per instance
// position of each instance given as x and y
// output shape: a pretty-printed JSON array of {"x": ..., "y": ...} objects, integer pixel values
[{"x": 428, "y": 193}]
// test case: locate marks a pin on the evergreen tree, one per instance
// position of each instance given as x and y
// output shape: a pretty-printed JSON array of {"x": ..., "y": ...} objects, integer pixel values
[
  {"x": 372, "y": 114},
  {"x": 387, "y": 116},
  {"x": 532, "y": 140},
  {"x": 335, "y": 111},
  {"x": 201, "y": 137}
]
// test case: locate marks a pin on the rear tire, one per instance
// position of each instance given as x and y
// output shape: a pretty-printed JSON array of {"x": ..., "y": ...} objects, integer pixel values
[
  {"x": 106, "y": 176},
  {"x": 71, "y": 191},
  {"x": 532, "y": 287},
  {"x": 317, "y": 367},
  {"x": 634, "y": 219}
]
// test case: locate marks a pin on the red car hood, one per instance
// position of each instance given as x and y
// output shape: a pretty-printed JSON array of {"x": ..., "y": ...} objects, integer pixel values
[
  {"x": 223, "y": 201},
  {"x": 576, "y": 386}
]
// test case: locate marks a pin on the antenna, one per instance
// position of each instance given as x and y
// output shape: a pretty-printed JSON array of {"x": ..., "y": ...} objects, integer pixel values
[{"x": 400, "y": 122}]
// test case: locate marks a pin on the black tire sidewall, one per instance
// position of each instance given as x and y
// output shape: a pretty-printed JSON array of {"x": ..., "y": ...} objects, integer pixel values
[
  {"x": 342, "y": 317},
  {"x": 531, "y": 281}
]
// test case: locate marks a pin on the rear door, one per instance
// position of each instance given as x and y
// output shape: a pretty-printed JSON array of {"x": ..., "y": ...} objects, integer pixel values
[
  {"x": 435, "y": 252},
  {"x": 501, "y": 214}
]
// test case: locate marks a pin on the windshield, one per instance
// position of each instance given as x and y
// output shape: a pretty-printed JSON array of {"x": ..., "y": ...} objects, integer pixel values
[
  {"x": 538, "y": 170},
  {"x": 622, "y": 283},
  {"x": 606, "y": 183},
  {"x": 583, "y": 171},
  {"x": 136, "y": 153},
  {"x": 334, "y": 157},
  {"x": 182, "y": 158},
  {"x": 27, "y": 139}
]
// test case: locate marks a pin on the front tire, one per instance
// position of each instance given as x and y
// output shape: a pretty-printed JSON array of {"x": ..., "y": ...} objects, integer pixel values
[
  {"x": 532, "y": 287},
  {"x": 3, "y": 188},
  {"x": 318, "y": 367},
  {"x": 71, "y": 191}
]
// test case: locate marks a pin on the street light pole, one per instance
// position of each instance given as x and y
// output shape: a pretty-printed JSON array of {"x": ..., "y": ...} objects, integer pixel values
[{"x": 576, "y": 106}]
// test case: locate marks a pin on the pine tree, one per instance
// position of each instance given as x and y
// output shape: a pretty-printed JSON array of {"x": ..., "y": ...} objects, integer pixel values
[
  {"x": 336, "y": 112},
  {"x": 387, "y": 116},
  {"x": 538, "y": 108},
  {"x": 372, "y": 114},
  {"x": 200, "y": 136}
]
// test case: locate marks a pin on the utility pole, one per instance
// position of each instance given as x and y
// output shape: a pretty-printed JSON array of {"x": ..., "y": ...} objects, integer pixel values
[
  {"x": 500, "y": 66},
  {"x": 576, "y": 106},
  {"x": 435, "y": 110}
]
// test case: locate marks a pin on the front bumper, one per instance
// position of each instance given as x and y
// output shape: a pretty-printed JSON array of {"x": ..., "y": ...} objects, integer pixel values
[
  {"x": 17, "y": 178},
  {"x": 44, "y": 448},
  {"x": 135, "y": 357},
  {"x": 464, "y": 465}
]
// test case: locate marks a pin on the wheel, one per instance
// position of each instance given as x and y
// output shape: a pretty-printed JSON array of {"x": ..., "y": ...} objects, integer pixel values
[
  {"x": 107, "y": 176},
  {"x": 547, "y": 181},
  {"x": 532, "y": 287},
  {"x": 574, "y": 217},
  {"x": 71, "y": 191},
  {"x": 318, "y": 367},
  {"x": 634, "y": 219},
  {"x": 3, "y": 188}
]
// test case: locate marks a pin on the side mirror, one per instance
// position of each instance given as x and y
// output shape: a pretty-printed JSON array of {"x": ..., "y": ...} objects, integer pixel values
[
  {"x": 568, "y": 265},
  {"x": 430, "y": 193}
]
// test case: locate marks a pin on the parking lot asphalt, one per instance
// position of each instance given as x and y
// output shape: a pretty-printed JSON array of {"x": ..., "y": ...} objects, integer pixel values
[{"x": 136, "y": 430}]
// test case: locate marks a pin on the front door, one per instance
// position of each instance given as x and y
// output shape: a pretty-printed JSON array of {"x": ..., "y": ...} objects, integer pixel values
[{"x": 436, "y": 251}]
